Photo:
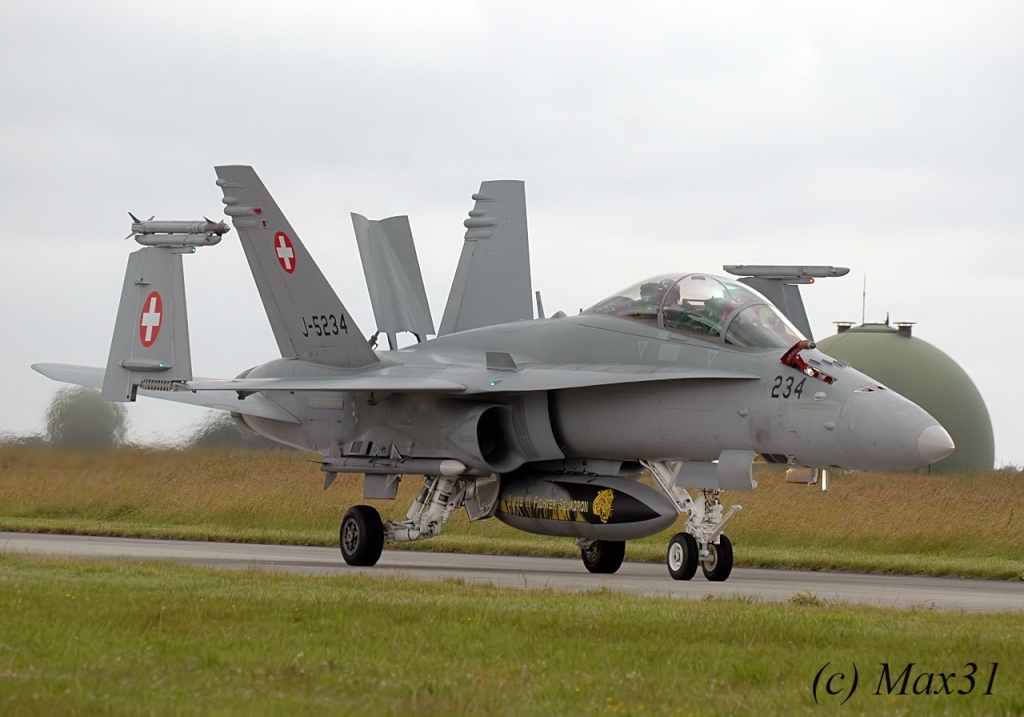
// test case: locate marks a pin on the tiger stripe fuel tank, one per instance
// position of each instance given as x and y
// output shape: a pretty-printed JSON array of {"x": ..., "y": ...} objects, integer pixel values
[{"x": 593, "y": 508}]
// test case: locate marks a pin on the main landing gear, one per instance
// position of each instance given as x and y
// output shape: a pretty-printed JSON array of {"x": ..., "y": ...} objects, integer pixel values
[
  {"x": 703, "y": 542},
  {"x": 602, "y": 556},
  {"x": 362, "y": 536},
  {"x": 363, "y": 533}
]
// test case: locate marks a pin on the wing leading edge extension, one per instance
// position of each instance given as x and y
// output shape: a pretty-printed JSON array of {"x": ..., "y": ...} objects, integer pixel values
[{"x": 469, "y": 381}]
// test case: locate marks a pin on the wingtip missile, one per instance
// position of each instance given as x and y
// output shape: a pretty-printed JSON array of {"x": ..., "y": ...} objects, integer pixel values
[
  {"x": 793, "y": 274},
  {"x": 177, "y": 233}
]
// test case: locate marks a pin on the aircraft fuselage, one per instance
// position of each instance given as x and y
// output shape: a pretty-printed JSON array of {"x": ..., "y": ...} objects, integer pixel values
[{"x": 772, "y": 409}]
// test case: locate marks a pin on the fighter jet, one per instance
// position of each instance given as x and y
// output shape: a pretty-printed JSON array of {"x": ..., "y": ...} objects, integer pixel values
[{"x": 546, "y": 424}]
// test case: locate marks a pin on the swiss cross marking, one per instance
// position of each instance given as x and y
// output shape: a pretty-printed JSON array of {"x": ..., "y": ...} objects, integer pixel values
[
  {"x": 151, "y": 319},
  {"x": 285, "y": 252}
]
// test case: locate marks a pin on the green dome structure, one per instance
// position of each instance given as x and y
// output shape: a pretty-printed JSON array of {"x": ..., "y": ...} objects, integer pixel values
[{"x": 928, "y": 377}]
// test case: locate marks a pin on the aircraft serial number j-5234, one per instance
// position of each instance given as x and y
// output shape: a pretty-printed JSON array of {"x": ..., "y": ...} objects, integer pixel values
[{"x": 543, "y": 423}]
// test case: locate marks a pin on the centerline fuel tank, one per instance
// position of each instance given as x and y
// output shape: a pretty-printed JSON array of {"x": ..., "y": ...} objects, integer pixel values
[{"x": 589, "y": 507}]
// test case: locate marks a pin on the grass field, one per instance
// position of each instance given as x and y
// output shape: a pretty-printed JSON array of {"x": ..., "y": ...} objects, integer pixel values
[
  {"x": 968, "y": 524},
  {"x": 123, "y": 638}
]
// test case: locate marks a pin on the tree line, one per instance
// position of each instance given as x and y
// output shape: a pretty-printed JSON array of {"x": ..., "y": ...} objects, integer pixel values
[{"x": 78, "y": 418}]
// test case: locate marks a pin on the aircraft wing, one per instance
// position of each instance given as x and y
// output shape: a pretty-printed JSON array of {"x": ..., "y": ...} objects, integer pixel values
[
  {"x": 92, "y": 376},
  {"x": 473, "y": 380}
]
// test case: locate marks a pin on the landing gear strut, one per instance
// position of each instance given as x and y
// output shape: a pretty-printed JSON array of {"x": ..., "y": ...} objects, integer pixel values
[{"x": 703, "y": 542}]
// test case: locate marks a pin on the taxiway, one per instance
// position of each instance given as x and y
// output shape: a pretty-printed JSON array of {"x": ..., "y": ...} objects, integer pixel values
[{"x": 899, "y": 591}]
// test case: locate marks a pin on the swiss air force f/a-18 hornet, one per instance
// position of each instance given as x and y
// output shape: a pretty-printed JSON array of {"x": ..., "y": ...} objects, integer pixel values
[{"x": 546, "y": 423}]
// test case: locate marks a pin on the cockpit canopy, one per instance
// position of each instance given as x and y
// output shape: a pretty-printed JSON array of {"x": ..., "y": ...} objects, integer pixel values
[{"x": 705, "y": 305}]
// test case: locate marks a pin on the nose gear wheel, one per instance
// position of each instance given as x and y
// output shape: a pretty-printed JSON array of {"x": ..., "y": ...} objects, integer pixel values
[
  {"x": 702, "y": 542},
  {"x": 718, "y": 564},
  {"x": 683, "y": 556}
]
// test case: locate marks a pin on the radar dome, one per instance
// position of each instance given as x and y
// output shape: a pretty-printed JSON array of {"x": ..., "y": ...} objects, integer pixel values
[{"x": 928, "y": 377}]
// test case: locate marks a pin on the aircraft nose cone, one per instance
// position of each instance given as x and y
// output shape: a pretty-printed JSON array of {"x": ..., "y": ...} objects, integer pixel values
[
  {"x": 935, "y": 443},
  {"x": 883, "y": 430}
]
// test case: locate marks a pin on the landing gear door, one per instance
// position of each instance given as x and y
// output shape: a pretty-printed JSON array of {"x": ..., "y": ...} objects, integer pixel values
[
  {"x": 482, "y": 497},
  {"x": 732, "y": 471}
]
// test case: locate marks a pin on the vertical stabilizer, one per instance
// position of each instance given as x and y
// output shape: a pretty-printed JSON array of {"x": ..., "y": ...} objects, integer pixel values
[
  {"x": 150, "y": 343},
  {"x": 492, "y": 282},
  {"x": 786, "y": 297},
  {"x": 307, "y": 317},
  {"x": 393, "y": 276}
]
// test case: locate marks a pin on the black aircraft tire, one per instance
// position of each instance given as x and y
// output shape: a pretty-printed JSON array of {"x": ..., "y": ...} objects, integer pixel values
[
  {"x": 361, "y": 536},
  {"x": 719, "y": 564},
  {"x": 682, "y": 557},
  {"x": 604, "y": 556}
]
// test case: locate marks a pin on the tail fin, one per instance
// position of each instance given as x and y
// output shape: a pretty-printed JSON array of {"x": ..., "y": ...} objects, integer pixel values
[
  {"x": 786, "y": 298},
  {"x": 393, "y": 276},
  {"x": 492, "y": 282},
  {"x": 150, "y": 343},
  {"x": 307, "y": 317}
]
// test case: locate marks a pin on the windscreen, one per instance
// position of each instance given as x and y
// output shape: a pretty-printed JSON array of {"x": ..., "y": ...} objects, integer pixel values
[{"x": 718, "y": 309}]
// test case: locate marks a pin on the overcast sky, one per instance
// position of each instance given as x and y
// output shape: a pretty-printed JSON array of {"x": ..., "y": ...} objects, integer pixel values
[{"x": 652, "y": 137}]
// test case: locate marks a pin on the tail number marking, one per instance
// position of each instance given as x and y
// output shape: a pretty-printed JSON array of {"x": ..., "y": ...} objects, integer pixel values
[
  {"x": 285, "y": 252},
  {"x": 324, "y": 325}
]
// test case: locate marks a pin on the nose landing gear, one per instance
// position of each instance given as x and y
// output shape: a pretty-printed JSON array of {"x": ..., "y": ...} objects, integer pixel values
[
  {"x": 718, "y": 564},
  {"x": 702, "y": 543}
]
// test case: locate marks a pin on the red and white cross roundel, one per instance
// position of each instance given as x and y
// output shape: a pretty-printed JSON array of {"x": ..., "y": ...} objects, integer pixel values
[
  {"x": 151, "y": 319},
  {"x": 285, "y": 252}
]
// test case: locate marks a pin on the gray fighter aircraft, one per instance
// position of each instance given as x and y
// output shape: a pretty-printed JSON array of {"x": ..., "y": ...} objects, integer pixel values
[{"x": 545, "y": 424}]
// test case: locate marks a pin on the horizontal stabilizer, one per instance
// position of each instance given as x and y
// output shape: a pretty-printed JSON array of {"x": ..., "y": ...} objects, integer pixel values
[{"x": 92, "y": 377}]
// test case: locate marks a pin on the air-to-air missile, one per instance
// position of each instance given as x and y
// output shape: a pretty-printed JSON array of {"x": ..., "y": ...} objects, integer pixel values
[{"x": 176, "y": 233}]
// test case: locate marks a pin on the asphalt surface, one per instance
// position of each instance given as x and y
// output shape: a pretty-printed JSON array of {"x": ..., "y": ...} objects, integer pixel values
[{"x": 564, "y": 574}]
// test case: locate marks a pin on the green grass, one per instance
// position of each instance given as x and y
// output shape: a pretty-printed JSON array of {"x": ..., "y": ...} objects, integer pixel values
[
  {"x": 965, "y": 524},
  {"x": 123, "y": 638}
]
